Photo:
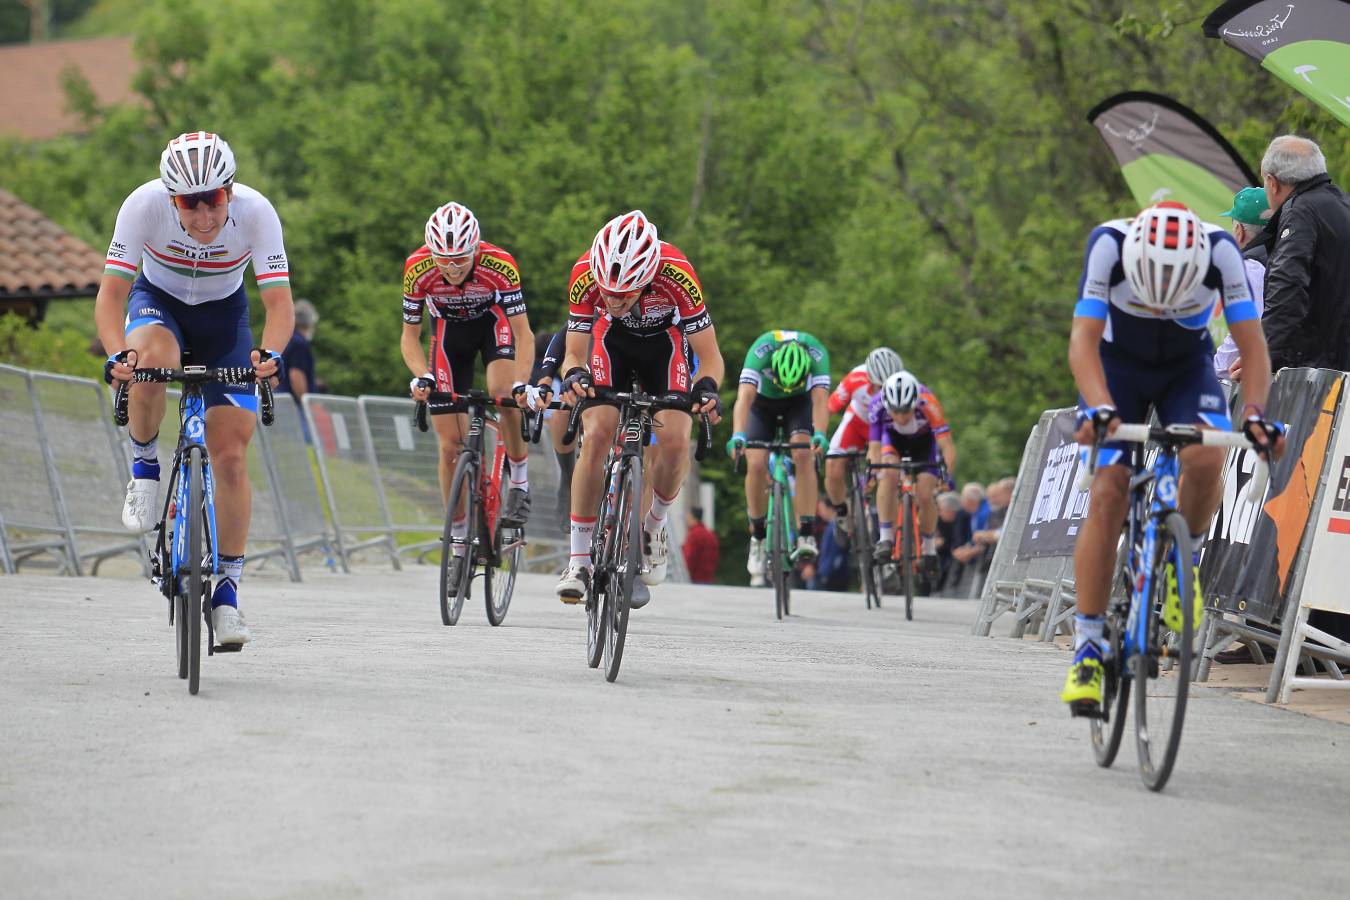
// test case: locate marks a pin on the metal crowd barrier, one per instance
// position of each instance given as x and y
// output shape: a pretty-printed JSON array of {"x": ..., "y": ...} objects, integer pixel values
[
  {"x": 1004, "y": 585},
  {"x": 291, "y": 474},
  {"x": 351, "y": 484}
]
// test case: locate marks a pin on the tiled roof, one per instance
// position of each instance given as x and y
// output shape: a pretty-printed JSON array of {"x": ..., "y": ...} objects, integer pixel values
[
  {"x": 39, "y": 259},
  {"x": 32, "y": 104}
]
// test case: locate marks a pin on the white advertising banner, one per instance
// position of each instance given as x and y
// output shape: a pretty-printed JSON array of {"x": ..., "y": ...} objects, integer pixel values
[{"x": 1326, "y": 585}]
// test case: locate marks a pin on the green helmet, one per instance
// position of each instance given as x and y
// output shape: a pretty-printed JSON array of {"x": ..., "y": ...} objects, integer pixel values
[{"x": 790, "y": 365}]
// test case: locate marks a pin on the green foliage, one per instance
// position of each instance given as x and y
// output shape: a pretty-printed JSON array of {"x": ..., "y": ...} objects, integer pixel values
[
  {"x": 50, "y": 349},
  {"x": 916, "y": 173}
]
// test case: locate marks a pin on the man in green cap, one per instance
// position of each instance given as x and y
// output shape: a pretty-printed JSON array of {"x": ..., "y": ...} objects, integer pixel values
[{"x": 1250, "y": 212}]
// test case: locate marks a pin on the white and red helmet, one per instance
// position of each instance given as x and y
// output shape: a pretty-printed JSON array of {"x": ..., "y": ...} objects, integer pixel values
[
  {"x": 195, "y": 162},
  {"x": 452, "y": 230},
  {"x": 626, "y": 253},
  {"x": 1165, "y": 258}
]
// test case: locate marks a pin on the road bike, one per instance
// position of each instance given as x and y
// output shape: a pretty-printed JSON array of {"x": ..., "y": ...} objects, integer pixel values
[
  {"x": 906, "y": 554},
  {"x": 862, "y": 521},
  {"x": 616, "y": 544},
  {"x": 1143, "y": 654},
  {"x": 185, "y": 556},
  {"x": 485, "y": 546},
  {"x": 781, "y": 520}
]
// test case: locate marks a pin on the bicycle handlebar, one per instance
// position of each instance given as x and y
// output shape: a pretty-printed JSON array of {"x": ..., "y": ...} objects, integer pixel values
[
  {"x": 775, "y": 447},
  {"x": 1177, "y": 436},
  {"x": 196, "y": 375},
  {"x": 642, "y": 401},
  {"x": 471, "y": 397}
]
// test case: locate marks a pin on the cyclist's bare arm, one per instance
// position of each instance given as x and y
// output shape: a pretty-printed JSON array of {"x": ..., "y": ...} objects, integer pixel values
[
  {"x": 820, "y": 409},
  {"x": 110, "y": 311},
  {"x": 414, "y": 357},
  {"x": 948, "y": 448},
  {"x": 278, "y": 323},
  {"x": 745, "y": 395},
  {"x": 874, "y": 451},
  {"x": 524, "y": 337},
  {"x": 1251, "y": 344},
  {"x": 1085, "y": 361},
  {"x": 710, "y": 363}
]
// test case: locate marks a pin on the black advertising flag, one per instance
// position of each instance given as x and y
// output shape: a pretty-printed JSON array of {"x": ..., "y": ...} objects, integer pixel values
[
  {"x": 1305, "y": 44},
  {"x": 1167, "y": 152}
]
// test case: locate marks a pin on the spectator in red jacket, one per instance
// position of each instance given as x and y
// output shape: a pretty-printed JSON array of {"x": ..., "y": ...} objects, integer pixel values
[{"x": 701, "y": 548}]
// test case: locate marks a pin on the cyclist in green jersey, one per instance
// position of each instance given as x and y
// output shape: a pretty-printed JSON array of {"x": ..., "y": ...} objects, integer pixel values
[{"x": 785, "y": 383}]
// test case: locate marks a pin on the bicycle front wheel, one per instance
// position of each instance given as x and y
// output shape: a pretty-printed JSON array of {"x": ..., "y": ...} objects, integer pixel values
[
  {"x": 625, "y": 558},
  {"x": 778, "y": 550},
  {"x": 1162, "y": 671},
  {"x": 907, "y": 544},
  {"x": 499, "y": 579},
  {"x": 192, "y": 609},
  {"x": 863, "y": 544},
  {"x": 463, "y": 495}
]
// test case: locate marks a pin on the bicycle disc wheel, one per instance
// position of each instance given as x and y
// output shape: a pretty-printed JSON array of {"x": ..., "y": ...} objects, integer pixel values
[
  {"x": 626, "y": 560},
  {"x": 192, "y": 608},
  {"x": 1163, "y": 671},
  {"x": 907, "y": 552},
  {"x": 463, "y": 490},
  {"x": 778, "y": 563}
]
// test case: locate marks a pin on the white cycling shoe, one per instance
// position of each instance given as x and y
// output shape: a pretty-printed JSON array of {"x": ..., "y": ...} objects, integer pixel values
[
  {"x": 655, "y": 556},
  {"x": 138, "y": 510},
  {"x": 574, "y": 583},
  {"x": 229, "y": 627},
  {"x": 756, "y": 562}
]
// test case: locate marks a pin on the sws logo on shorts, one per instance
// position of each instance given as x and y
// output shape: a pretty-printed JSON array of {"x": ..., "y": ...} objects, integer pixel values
[
  {"x": 684, "y": 280},
  {"x": 500, "y": 265},
  {"x": 416, "y": 271}
]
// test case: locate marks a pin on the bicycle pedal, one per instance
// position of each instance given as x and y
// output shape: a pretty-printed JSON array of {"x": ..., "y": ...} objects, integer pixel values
[
  {"x": 1086, "y": 709},
  {"x": 228, "y": 648}
]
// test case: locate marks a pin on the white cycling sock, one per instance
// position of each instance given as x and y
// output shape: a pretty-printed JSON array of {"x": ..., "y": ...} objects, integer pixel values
[
  {"x": 582, "y": 529},
  {"x": 459, "y": 528},
  {"x": 928, "y": 545},
  {"x": 520, "y": 472},
  {"x": 656, "y": 516},
  {"x": 1088, "y": 629},
  {"x": 888, "y": 531},
  {"x": 145, "y": 458},
  {"x": 226, "y": 592}
]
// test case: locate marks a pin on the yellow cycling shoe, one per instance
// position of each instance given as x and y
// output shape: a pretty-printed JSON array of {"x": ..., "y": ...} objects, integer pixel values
[
  {"x": 1083, "y": 688},
  {"x": 1172, "y": 604}
]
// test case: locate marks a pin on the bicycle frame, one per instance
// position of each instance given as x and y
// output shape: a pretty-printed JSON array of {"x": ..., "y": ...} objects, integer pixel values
[
  {"x": 1146, "y": 514},
  {"x": 780, "y": 471},
  {"x": 192, "y": 433}
]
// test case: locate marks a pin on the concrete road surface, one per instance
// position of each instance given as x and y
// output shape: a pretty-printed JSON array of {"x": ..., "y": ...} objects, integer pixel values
[{"x": 358, "y": 748}]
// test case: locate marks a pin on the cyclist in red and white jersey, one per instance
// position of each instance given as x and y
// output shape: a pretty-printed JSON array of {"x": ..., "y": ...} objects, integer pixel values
[
  {"x": 190, "y": 234},
  {"x": 472, "y": 291},
  {"x": 853, "y": 397},
  {"x": 636, "y": 314}
]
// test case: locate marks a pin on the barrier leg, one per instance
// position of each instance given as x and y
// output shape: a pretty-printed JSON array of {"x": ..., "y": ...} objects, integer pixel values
[{"x": 1291, "y": 648}]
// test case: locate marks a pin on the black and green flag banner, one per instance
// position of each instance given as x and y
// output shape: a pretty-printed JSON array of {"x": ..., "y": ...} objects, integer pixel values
[
  {"x": 1167, "y": 152},
  {"x": 1306, "y": 44}
]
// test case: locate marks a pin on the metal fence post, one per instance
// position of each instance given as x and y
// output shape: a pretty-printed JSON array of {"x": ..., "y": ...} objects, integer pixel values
[{"x": 54, "y": 480}]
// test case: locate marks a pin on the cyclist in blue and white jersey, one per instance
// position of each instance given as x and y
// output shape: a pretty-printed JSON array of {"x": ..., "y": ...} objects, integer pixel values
[
  {"x": 174, "y": 280},
  {"x": 1139, "y": 339}
]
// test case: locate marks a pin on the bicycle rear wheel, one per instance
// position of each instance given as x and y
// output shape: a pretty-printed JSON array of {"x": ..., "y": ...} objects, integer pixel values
[
  {"x": 1108, "y": 730},
  {"x": 625, "y": 559},
  {"x": 778, "y": 552},
  {"x": 1163, "y": 670},
  {"x": 463, "y": 490},
  {"x": 192, "y": 611},
  {"x": 907, "y": 552}
]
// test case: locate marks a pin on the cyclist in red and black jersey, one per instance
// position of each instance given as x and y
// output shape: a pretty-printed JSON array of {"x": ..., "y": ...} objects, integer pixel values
[
  {"x": 471, "y": 289},
  {"x": 636, "y": 313}
]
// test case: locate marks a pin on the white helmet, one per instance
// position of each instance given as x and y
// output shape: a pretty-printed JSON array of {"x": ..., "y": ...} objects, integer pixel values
[
  {"x": 901, "y": 392},
  {"x": 452, "y": 230},
  {"x": 195, "y": 162},
  {"x": 882, "y": 363},
  {"x": 1165, "y": 258},
  {"x": 625, "y": 253}
]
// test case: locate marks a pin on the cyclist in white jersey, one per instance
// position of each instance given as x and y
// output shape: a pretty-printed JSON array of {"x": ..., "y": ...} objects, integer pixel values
[{"x": 190, "y": 234}]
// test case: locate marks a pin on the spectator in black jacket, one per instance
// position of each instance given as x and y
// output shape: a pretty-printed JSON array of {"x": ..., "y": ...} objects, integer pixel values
[{"x": 1307, "y": 315}]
